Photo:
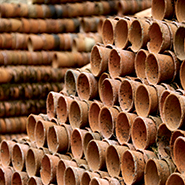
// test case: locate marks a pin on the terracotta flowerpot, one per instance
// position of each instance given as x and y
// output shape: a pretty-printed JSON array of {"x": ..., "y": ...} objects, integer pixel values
[
  {"x": 114, "y": 154},
  {"x": 61, "y": 167},
  {"x": 138, "y": 34},
  {"x": 93, "y": 114},
  {"x": 30, "y": 127},
  {"x": 6, "y": 174},
  {"x": 35, "y": 43},
  {"x": 72, "y": 175},
  {"x": 107, "y": 120},
  {"x": 77, "y": 147},
  {"x": 122, "y": 26},
  {"x": 51, "y": 104},
  {"x": 99, "y": 59},
  {"x": 19, "y": 156},
  {"x": 19, "y": 178},
  {"x": 159, "y": 68},
  {"x": 87, "y": 176},
  {"x": 88, "y": 137},
  {"x": 33, "y": 161},
  {"x": 57, "y": 139},
  {"x": 173, "y": 110},
  {"x": 108, "y": 31},
  {"x": 98, "y": 181},
  {"x": 7, "y": 152},
  {"x": 71, "y": 80},
  {"x": 139, "y": 63},
  {"x": 146, "y": 100},
  {"x": 175, "y": 178},
  {"x": 78, "y": 114},
  {"x": 123, "y": 125},
  {"x": 132, "y": 166},
  {"x": 48, "y": 168},
  {"x": 178, "y": 150},
  {"x": 87, "y": 86},
  {"x": 62, "y": 110},
  {"x": 160, "y": 37},
  {"x": 126, "y": 94},
  {"x": 179, "y": 11},
  {"x": 35, "y": 181},
  {"x": 109, "y": 91},
  {"x": 40, "y": 132},
  {"x": 96, "y": 152},
  {"x": 148, "y": 128},
  {"x": 157, "y": 169},
  {"x": 173, "y": 138},
  {"x": 163, "y": 9},
  {"x": 163, "y": 141},
  {"x": 121, "y": 63}
]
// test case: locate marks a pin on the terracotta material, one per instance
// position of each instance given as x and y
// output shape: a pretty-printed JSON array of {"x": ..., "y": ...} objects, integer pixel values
[
  {"x": 96, "y": 152},
  {"x": 126, "y": 94},
  {"x": 30, "y": 127},
  {"x": 98, "y": 181},
  {"x": 57, "y": 139},
  {"x": 88, "y": 137},
  {"x": 87, "y": 176},
  {"x": 19, "y": 178},
  {"x": 33, "y": 161},
  {"x": 61, "y": 167},
  {"x": 109, "y": 91},
  {"x": 99, "y": 59},
  {"x": 114, "y": 154},
  {"x": 19, "y": 156},
  {"x": 176, "y": 178},
  {"x": 77, "y": 147},
  {"x": 121, "y": 32},
  {"x": 173, "y": 110},
  {"x": 48, "y": 168},
  {"x": 87, "y": 86},
  {"x": 148, "y": 128},
  {"x": 6, "y": 174},
  {"x": 163, "y": 141},
  {"x": 160, "y": 37},
  {"x": 148, "y": 154},
  {"x": 107, "y": 120},
  {"x": 72, "y": 175},
  {"x": 71, "y": 80},
  {"x": 163, "y": 9},
  {"x": 179, "y": 11},
  {"x": 40, "y": 132},
  {"x": 139, "y": 63},
  {"x": 159, "y": 68},
  {"x": 178, "y": 150},
  {"x": 51, "y": 104},
  {"x": 182, "y": 77},
  {"x": 173, "y": 138},
  {"x": 132, "y": 166},
  {"x": 121, "y": 63},
  {"x": 157, "y": 169},
  {"x": 108, "y": 31},
  {"x": 78, "y": 114},
  {"x": 138, "y": 34},
  {"x": 35, "y": 181},
  {"x": 93, "y": 114},
  {"x": 144, "y": 13},
  {"x": 62, "y": 110},
  {"x": 6, "y": 152},
  {"x": 35, "y": 43},
  {"x": 70, "y": 59},
  {"x": 123, "y": 125},
  {"x": 146, "y": 100}
]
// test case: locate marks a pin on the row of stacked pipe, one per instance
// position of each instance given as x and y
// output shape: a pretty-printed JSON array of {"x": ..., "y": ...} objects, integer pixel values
[
  {"x": 34, "y": 39},
  {"x": 118, "y": 120}
]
